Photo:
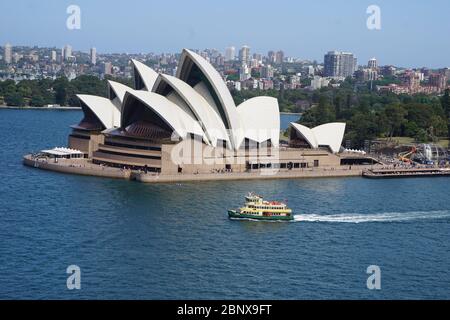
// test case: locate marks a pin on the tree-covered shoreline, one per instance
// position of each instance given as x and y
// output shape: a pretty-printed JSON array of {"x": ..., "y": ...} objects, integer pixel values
[
  {"x": 39, "y": 93},
  {"x": 371, "y": 115}
]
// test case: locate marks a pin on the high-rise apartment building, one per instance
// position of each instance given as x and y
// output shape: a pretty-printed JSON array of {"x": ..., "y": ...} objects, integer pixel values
[
  {"x": 339, "y": 64},
  {"x": 108, "y": 68},
  {"x": 8, "y": 53},
  {"x": 271, "y": 56},
  {"x": 438, "y": 80},
  {"x": 93, "y": 56},
  {"x": 230, "y": 53},
  {"x": 258, "y": 57},
  {"x": 67, "y": 52},
  {"x": 244, "y": 55},
  {"x": 279, "y": 57},
  {"x": 266, "y": 72}
]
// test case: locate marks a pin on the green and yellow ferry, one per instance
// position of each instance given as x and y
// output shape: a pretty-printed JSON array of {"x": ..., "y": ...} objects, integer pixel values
[{"x": 259, "y": 209}]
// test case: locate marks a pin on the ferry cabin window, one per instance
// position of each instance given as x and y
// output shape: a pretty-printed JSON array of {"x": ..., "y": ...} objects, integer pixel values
[
  {"x": 316, "y": 163},
  {"x": 303, "y": 165},
  {"x": 283, "y": 165},
  {"x": 296, "y": 165}
]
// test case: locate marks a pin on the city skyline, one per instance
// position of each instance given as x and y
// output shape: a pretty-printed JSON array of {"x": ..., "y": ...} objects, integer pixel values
[
  {"x": 224, "y": 52},
  {"x": 341, "y": 26}
]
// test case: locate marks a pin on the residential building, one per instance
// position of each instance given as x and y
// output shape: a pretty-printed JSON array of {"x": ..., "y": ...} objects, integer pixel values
[
  {"x": 93, "y": 56},
  {"x": 244, "y": 55},
  {"x": 339, "y": 64},
  {"x": 7, "y": 57},
  {"x": 230, "y": 53}
]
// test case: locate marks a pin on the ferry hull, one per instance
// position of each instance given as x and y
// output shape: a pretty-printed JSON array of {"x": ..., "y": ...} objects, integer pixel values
[{"x": 236, "y": 215}]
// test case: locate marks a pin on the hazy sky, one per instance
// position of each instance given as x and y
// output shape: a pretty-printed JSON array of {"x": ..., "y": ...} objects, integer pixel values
[{"x": 413, "y": 33}]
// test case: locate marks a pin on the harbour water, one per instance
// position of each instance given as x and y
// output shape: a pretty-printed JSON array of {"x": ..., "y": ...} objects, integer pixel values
[
  {"x": 286, "y": 118},
  {"x": 174, "y": 241}
]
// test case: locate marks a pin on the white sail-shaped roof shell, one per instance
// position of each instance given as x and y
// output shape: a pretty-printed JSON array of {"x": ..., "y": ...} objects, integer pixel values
[
  {"x": 306, "y": 133},
  {"x": 178, "y": 119},
  {"x": 104, "y": 109},
  {"x": 330, "y": 134},
  {"x": 209, "y": 119},
  {"x": 226, "y": 102},
  {"x": 197, "y": 101},
  {"x": 147, "y": 74},
  {"x": 119, "y": 90},
  {"x": 260, "y": 118}
]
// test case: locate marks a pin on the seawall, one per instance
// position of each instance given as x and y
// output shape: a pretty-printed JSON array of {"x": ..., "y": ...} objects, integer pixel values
[
  {"x": 81, "y": 168},
  {"x": 317, "y": 173},
  {"x": 86, "y": 168},
  {"x": 40, "y": 108}
]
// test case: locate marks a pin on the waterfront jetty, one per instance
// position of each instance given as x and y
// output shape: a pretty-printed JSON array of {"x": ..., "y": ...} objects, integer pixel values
[{"x": 406, "y": 173}]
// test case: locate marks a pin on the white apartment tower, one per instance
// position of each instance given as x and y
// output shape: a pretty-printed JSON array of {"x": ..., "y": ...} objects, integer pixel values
[
  {"x": 93, "y": 56},
  {"x": 66, "y": 52},
  {"x": 244, "y": 55},
  {"x": 8, "y": 53},
  {"x": 372, "y": 64},
  {"x": 230, "y": 53}
]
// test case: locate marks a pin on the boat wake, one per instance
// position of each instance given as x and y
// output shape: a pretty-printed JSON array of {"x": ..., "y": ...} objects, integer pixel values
[{"x": 376, "y": 217}]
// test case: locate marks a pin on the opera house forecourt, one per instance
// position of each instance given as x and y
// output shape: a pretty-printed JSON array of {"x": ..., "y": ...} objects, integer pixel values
[{"x": 188, "y": 127}]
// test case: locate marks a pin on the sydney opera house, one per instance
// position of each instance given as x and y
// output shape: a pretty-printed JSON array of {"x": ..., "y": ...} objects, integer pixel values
[{"x": 189, "y": 123}]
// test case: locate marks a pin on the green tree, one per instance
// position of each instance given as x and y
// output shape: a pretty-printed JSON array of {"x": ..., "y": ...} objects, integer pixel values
[
  {"x": 325, "y": 111},
  {"x": 439, "y": 126},
  {"x": 338, "y": 102},
  {"x": 421, "y": 136},
  {"x": 411, "y": 129},
  {"x": 60, "y": 87},
  {"x": 14, "y": 99},
  {"x": 361, "y": 127},
  {"x": 445, "y": 101},
  {"x": 37, "y": 100},
  {"x": 395, "y": 117}
]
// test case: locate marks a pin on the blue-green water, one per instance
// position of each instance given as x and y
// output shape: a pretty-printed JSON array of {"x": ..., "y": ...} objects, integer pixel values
[
  {"x": 285, "y": 119},
  {"x": 134, "y": 240}
]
